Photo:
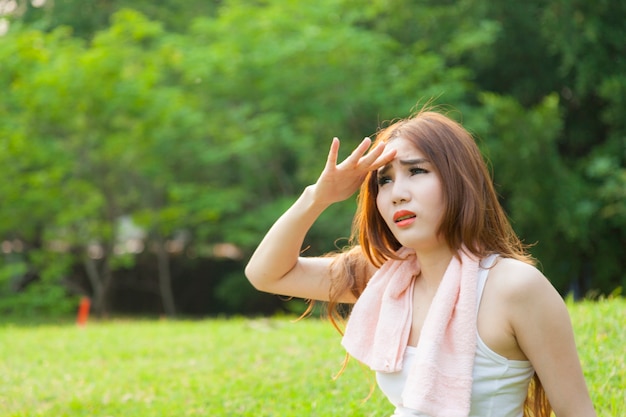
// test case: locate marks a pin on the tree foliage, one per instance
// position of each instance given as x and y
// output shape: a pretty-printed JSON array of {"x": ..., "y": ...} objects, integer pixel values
[{"x": 197, "y": 128}]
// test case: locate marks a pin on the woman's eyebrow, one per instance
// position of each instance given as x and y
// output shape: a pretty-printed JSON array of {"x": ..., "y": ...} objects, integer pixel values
[
  {"x": 416, "y": 161},
  {"x": 405, "y": 162}
]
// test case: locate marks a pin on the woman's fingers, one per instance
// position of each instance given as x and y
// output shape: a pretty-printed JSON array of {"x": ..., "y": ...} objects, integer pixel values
[
  {"x": 373, "y": 159},
  {"x": 339, "y": 181},
  {"x": 360, "y": 158},
  {"x": 376, "y": 158},
  {"x": 382, "y": 157},
  {"x": 360, "y": 150},
  {"x": 333, "y": 153},
  {"x": 357, "y": 153}
]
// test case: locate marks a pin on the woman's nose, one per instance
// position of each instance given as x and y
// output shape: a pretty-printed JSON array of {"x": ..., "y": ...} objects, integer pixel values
[{"x": 400, "y": 192}]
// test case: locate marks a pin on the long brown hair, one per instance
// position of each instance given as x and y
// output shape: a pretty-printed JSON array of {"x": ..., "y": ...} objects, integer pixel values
[{"x": 473, "y": 216}]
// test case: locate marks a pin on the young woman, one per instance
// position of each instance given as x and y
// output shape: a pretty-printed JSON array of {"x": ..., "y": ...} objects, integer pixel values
[{"x": 448, "y": 308}]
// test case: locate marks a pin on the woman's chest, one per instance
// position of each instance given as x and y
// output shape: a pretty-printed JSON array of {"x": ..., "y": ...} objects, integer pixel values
[
  {"x": 492, "y": 321},
  {"x": 422, "y": 301}
]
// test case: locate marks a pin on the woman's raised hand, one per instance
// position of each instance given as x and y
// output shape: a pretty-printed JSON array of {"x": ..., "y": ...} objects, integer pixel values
[
  {"x": 276, "y": 265},
  {"x": 339, "y": 181}
]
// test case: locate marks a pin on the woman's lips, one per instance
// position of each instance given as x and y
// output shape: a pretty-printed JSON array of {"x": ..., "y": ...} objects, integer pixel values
[{"x": 403, "y": 218}]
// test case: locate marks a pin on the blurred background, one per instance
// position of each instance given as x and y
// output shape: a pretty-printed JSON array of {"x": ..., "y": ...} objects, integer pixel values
[{"x": 147, "y": 146}]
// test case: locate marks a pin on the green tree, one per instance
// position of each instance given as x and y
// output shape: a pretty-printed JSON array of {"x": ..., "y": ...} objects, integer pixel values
[
  {"x": 575, "y": 52},
  {"x": 110, "y": 132},
  {"x": 292, "y": 76},
  {"x": 36, "y": 192},
  {"x": 87, "y": 17},
  {"x": 207, "y": 123}
]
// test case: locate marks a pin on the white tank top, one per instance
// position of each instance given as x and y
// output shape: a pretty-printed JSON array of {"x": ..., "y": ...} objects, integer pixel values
[{"x": 499, "y": 385}]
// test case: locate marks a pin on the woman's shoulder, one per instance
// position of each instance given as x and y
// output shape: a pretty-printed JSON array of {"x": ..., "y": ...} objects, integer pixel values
[
  {"x": 523, "y": 295},
  {"x": 517, "y": 280}
]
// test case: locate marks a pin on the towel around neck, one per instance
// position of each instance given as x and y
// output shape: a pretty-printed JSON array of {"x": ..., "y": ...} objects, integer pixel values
[{"x": 377, "y": 333}]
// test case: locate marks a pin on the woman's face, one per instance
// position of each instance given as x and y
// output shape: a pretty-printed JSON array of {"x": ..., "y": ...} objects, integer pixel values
[{"x": 410, "y": 197}]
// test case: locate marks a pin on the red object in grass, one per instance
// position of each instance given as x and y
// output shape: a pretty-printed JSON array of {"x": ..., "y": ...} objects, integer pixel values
[{"x": 83, "y": 311}]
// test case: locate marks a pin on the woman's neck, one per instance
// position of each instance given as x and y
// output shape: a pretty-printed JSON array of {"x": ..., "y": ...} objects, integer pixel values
[{"x": 433, "y": 265}]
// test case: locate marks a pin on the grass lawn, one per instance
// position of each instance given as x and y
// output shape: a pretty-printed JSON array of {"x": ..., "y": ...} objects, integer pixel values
[{"x": 235, "y": 367}]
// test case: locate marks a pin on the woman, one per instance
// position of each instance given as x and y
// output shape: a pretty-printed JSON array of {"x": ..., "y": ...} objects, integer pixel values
[{"x": 443, "y": 339}]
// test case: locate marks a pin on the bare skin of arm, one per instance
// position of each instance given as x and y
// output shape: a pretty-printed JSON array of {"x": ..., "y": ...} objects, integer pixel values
[
  {"x": 276, "y": 265},
  {"x": 541, "y": 328}
]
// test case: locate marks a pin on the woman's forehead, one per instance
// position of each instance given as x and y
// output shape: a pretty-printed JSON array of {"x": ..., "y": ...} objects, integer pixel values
[
  {"x": 404, "y": 148},
  {"x": 407, "y": 154}
]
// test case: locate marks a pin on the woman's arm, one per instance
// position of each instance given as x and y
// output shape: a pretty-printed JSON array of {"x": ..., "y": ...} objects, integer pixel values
[
  {"x": 276, "y": 266},
  {"x": 544, "y": 332}
]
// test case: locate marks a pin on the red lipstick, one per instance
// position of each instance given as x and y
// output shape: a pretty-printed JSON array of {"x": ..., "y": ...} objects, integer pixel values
[{"x": 403, "y": 217}]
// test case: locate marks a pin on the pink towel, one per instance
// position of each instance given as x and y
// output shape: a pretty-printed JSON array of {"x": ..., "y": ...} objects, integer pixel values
[{"x": 440, "y": 381}]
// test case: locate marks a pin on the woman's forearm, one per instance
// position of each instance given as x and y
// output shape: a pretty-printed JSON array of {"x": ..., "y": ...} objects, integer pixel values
[
  {"x": 278, "y": 253},
  {"x": 279, "y": 250}
]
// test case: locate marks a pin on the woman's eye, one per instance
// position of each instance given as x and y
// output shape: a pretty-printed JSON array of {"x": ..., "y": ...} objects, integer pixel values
[
  {"x": 416, "y": 170},
  {"x": 383, "y": 180}
]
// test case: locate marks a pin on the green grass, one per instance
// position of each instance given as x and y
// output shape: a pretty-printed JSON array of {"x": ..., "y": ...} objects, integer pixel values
[{"x": 234, "y": 367}]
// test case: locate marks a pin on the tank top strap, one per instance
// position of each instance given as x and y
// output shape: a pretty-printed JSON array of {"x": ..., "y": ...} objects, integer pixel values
[{"x": 483, "y": 271}]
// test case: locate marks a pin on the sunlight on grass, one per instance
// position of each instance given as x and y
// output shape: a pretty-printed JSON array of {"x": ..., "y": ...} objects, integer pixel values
[
  {"x": 235, "y": 367},
  {"x": 259, "y": 367},
  {"x": 601, "y": 341}
]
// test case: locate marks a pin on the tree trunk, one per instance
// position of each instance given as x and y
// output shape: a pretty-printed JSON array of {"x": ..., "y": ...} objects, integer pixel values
[
  {"x": 97, "y": 297},
  {"x": 165, "y": 278},
  {"x": 100, "y": 280}
]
